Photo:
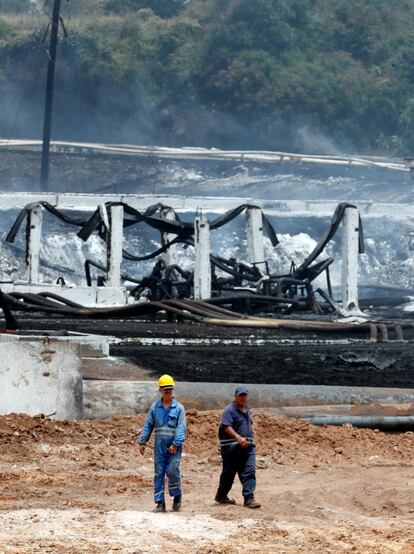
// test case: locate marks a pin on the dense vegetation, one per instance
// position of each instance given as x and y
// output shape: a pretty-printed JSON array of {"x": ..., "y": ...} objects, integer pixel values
[{"x": 281, "y": 74}]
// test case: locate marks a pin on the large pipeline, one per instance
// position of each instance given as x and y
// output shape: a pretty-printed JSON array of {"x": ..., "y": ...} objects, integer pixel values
[
  {"x": 376, "y": 416},
  {"x": 264, "y": 156},
  {"x": 385, "y": 423}
]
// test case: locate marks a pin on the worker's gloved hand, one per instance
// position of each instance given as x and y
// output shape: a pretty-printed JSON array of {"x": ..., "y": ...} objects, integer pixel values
[
  {"x": 172, "y": 449},
  {"x": 142, "y": 449},
  {"x": 244, "y": 443}
]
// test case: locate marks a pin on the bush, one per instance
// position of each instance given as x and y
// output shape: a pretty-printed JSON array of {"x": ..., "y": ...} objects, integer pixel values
[{"x": 15, "y": 6}]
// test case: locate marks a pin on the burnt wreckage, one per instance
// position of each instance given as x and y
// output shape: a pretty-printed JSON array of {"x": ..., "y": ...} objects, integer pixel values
[
  {"x": 301, "y": 341},
  {"x": 248, "y": 287}
]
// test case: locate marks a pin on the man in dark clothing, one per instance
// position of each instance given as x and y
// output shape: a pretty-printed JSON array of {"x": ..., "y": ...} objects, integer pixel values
[{"x": 238, "y": 450}]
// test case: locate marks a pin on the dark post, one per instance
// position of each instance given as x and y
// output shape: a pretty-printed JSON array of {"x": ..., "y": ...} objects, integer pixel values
[{"x": 44, "y": 174}]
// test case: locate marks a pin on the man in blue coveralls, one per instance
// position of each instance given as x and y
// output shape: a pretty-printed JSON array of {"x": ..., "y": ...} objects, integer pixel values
[
  {"x": 238, "y": 450},
  {"x": 166, "y": 417}
]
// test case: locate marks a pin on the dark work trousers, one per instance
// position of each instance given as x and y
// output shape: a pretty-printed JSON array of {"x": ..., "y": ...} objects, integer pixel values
[{"x": 241, "y": 461}]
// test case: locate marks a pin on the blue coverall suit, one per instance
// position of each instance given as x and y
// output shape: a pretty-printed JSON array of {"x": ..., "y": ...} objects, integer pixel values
[{"x": 169, "y": 426}]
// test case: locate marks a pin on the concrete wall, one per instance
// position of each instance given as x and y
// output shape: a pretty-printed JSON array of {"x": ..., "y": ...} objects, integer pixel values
[
  {"x": 181, "y": 203},
  {"x": 107, "y": 398},
  {"x": 91, "y": 346},
  {"x": 41, "y": 377}
]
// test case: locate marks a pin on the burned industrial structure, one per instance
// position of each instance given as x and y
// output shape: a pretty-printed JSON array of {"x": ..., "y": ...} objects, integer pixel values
[
  {"x": 250, "y": 286},
  {"x": 215, "y": 278},
  {"x": 198, "y": 321}
]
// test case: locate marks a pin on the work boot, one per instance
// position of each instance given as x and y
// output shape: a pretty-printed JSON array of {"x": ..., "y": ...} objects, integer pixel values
[
  {"x": 220, "y": 499},
  {"x": 177, "y": 503},
  {"x": 250, "y": 502},
  {"x": 160, "y": 507}
]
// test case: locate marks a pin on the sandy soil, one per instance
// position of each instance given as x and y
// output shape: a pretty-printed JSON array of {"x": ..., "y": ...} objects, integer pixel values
[{"x": 75, "y": 487}]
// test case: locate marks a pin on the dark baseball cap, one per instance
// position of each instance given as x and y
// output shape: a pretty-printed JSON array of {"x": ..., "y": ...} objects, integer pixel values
[{"x": 241, "y": 389}]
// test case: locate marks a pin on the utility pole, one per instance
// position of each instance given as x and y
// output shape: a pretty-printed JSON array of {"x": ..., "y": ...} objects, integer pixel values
[{"x": 47, "y": 125}]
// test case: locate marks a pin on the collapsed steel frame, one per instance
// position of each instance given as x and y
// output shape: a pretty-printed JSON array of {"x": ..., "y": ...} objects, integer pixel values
[{"x": 246, "y": 286}]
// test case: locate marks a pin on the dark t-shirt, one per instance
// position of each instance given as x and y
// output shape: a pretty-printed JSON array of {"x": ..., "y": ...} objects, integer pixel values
[{"x": 241, "y": 423}]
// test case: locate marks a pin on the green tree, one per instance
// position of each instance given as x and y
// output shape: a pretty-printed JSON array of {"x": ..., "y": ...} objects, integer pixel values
[
  {"x": 15, "y": 6},
  {"x": 163, "y": 8},
  {"x": 218, "y": 72}
]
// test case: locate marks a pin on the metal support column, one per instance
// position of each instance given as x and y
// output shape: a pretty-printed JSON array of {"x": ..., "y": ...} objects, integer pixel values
[
  {"x": 34, "y": 239},
  {"x": 350, "y": 251},
  {"x": 202, "y": 266},
  {"x": 115, "y": 246},
  {"x": 254, "y": 233}
]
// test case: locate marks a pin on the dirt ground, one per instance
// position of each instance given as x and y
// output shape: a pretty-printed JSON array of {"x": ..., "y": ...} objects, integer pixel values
[{"x": 76, "y": 487}]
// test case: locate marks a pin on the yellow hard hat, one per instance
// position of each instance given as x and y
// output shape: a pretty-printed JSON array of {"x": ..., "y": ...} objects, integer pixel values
[{"x": 166, "y": 381}]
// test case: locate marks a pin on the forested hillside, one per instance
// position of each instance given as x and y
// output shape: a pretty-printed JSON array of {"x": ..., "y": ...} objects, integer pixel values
[{"x": 315, "y": 75}]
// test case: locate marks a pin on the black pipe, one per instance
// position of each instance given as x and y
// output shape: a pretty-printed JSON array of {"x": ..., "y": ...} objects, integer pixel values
[
  {"x": 11, "y": 321},
  {"x": 328, "y": 299},
  {"x": 189, "y": 306},
  {"x": 218, "y": 309},
  {"x": 219, "y": 300}
]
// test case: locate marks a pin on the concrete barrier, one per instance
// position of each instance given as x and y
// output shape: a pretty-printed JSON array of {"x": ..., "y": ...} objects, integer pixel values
[
  {"x": 91, "y": 346},
  {"x": 41, "y": 377},
  {"x": 107, "y": 398}
]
